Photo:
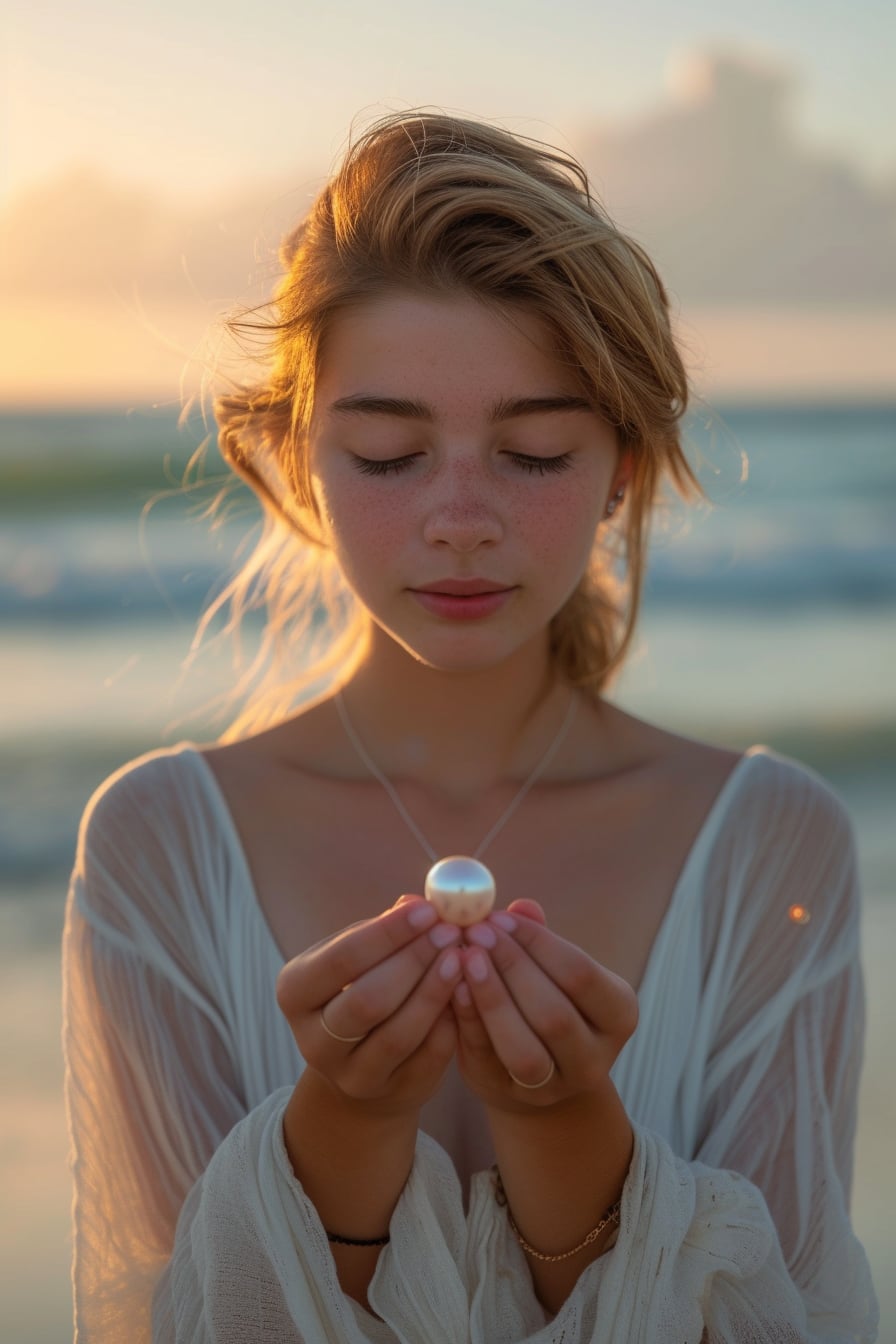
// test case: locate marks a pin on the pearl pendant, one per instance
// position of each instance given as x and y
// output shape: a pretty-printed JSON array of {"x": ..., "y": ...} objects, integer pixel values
[{"x": 461, "y": 889}]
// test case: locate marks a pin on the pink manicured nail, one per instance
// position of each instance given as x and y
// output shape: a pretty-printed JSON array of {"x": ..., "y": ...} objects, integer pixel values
[
  {"x": 450, "y": 966},
  {"x": 422, "y": 915},
  {"x": 483, "y": 935},
  {"x": 503, "y": 921},
  {"x": 477, "y": 966},
  {"x": 462, "y": 994},
  {"x": 443, "y": 935}
]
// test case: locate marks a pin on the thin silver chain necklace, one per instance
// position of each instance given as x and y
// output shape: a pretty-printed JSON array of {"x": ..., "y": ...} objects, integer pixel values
[{"x": 378, "y": 774}]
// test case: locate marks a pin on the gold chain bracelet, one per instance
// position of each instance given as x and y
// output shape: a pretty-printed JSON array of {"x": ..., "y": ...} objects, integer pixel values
[{"x": 610, "y": 1217}]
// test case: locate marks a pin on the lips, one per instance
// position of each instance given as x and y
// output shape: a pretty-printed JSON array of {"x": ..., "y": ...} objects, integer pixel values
[
  {"x": 463, "y": 587},
  {"x": 463, "y": 607}
]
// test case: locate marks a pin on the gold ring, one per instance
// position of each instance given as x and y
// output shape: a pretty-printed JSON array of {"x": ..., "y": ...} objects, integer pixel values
[
  {"x": 346, "y": 1040},
  {"x": 532, "y": 1087}
]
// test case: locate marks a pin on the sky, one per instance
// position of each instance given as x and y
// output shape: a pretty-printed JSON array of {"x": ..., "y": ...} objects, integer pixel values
[
  {"x": 152, "y": 157},
  {"x": 188, "y": 98}
]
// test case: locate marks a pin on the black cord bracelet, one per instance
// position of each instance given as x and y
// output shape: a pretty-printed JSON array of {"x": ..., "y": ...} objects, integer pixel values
[{"x": 354, "y": 1241}]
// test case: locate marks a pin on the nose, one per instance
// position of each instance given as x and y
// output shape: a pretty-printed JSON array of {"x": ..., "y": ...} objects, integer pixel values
[{"x": 462, "y": 511}]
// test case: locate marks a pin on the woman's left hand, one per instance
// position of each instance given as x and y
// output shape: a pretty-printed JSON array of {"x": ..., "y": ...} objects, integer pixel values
[{"x": 532, "y": 999}]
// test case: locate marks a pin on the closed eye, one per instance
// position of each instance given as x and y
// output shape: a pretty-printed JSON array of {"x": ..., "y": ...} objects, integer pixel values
[
  {"x": 373, "y": 468},
  {"x": 542, "y": 465}
]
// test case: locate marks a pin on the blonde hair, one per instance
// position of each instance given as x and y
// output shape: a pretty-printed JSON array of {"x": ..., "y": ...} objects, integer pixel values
[{"x": 439, "y": 204}]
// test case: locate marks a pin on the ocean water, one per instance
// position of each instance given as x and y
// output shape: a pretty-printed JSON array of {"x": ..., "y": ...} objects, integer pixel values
[{"x": 769, "y": 617}]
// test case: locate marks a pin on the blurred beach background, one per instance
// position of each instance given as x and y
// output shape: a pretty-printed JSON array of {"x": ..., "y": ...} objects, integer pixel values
[{"x": 761, "y": 177}]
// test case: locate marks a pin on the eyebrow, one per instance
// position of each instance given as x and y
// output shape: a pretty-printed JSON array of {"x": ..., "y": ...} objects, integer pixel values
[{"x": 506, "y": 408}]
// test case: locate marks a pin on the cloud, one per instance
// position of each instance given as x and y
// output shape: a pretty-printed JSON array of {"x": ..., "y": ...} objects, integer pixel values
[
  {"x": 780, "y": 259},
  {"x": 714, "y": 182},
  {"x": 732, "y": 206},
  {"x": 84, "y": 234}
]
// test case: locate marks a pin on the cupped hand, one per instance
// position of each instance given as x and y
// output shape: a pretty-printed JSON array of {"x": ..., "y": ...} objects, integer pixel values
[
  {"x": 532, "y": 999},
  {"x": 387, "y": 981}
]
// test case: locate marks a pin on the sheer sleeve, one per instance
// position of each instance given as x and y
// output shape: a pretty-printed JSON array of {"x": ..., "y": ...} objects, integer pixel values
[
  {"x": 188, "y": 1223},
  {"x": 747, "y": 1237}
]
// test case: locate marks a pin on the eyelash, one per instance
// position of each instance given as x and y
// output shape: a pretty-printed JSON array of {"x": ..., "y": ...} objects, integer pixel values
[{"x": 544, "y": 466}]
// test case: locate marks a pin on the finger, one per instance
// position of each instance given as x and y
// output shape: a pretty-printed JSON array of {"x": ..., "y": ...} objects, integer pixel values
[
  {"x": 401, "y": 903},
  {"x": 517, "y": 1046},
  {"x": 603, "y": 998},
  {"x": 469, "y": 1022},
  {"x": 379, "y": 992},
  {"x": 551, "y": 1014},
  {"x": 406, "y": 1033},
  {"x": 474, "y": 1041},
  {"x": 548, "y": 1011},
  {"x": 531, "y": 909},
  {"x": 315, "y": 975},
  {"x": 437, "y": 1049},
  {"x": 359, "y": 923}
]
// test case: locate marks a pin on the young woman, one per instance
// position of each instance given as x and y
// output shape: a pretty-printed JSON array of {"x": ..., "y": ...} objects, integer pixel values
[{"x": 304, "y": 1104}]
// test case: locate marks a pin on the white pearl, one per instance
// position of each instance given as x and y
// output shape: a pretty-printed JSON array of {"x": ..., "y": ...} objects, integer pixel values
[{"x": 461, "y": 889}]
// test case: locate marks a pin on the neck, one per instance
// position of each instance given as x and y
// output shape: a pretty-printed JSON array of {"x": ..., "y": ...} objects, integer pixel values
[{"x": 456, "y": 734}]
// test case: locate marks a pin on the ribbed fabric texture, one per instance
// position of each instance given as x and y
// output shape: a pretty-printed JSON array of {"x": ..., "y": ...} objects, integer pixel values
[{"x": 741, "y": 1083}]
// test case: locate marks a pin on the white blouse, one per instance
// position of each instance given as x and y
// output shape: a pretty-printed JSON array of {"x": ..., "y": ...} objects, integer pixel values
[{"x": 740, "y": 1081}]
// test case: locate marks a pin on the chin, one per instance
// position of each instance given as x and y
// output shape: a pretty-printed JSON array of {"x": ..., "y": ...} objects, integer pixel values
[
  {"x": 461, "y": 652},
  {"x": 456, "y": 661}
]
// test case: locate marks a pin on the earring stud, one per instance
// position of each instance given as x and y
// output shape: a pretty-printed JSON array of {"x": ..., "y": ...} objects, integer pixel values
[{"x": 617, "y": 499}]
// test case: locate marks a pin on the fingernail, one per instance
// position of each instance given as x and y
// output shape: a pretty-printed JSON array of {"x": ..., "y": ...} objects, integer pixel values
[
  {"x": 503, "y": 921},
  {"x": 483, "y": 935},
  {"x": 443, "y": 935},
  {"x": 477, "y": 966},
  {"x": 450, "y": 966},
  {"x": 462, "y": 994},
  {"x": 422, "y": 915}
]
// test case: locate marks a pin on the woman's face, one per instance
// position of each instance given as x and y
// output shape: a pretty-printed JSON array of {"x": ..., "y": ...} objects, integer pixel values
[{"x": 448, "y": 442}]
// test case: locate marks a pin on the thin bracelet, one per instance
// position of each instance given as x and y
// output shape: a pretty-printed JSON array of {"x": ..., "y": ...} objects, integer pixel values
[
  {"x": 611, "y": 1216},
  {"x": 355, "y": 1241}
]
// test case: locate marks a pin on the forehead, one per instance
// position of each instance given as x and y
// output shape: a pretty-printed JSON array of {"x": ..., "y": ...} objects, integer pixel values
[{"x": 439, "y": 347}]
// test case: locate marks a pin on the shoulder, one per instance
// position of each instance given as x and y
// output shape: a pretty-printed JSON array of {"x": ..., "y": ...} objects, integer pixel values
[
  {"x": 777, "y": 819},
  {"x": 135, "y": 788},
  {"x": 781, "y": 888},
  {"x": 790, "y": 867},
  {"x": 778, "y": 813},
  {"x": 792, "y": 804},
  {"x": 632, "y": 746},
  {"x": 147, "y": 863},
  {"x": 769, "y": 791},
  {"x": 686, "y": 787}
]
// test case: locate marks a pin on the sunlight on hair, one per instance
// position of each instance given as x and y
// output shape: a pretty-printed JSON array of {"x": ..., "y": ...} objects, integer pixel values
[{"x": 436, "y": 203}]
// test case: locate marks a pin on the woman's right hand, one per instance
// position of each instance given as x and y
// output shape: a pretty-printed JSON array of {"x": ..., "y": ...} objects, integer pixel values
[{"x": 388, "y": 980}]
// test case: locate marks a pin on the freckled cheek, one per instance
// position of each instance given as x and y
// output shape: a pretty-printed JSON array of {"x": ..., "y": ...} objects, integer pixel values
[
  {"x": 561, "y": 529},
  {"x": 554, "y": 527},
  {"x": 368, "y": 534}
]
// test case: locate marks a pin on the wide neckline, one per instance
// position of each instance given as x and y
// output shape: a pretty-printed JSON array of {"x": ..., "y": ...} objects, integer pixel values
[{"x": 696, "y": 854}]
